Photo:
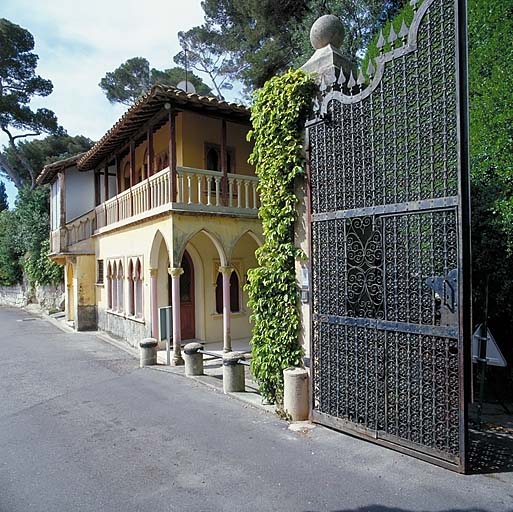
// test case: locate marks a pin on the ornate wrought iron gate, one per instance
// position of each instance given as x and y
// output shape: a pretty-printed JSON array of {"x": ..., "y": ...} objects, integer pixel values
[{"x": 390, "y": 243}]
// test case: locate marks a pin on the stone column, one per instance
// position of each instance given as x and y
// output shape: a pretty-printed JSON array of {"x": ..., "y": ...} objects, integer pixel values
[
  {"x": 227, "y": 334},
  {"x": 154, "y": 302},
  {"x": 175, "y": 274}
]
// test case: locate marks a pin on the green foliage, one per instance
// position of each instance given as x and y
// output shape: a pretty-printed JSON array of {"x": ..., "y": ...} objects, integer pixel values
[
  {"x": 10, "y": 269},
  {"x": 259, "y": 39},
  {"x": 491, "y": 153},
  {"x": 31, "y": 236},
  {"x": 361, "y": 21},
  {"x": 278, "y": 117},
  {"x": 18, "y": 85},
  {"x": 127, "y": 83},
  {"x": 405, "y": 14},
  {"x": 39, "y": 268},
  {"x": 41, "y": 152},
  {"x": 256, "y": 35},
  {"x": 4, "y": 203}
]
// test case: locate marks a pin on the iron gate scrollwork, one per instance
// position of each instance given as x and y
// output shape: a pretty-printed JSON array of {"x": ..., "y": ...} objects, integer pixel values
[{"x": 389, "y": 243}]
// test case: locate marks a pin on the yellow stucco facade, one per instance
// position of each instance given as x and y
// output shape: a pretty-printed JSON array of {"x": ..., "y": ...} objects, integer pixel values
[{"x": 118, "y": 277}]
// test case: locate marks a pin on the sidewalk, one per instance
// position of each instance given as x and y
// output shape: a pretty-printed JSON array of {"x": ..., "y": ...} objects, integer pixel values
[{"x": 213, "y": 367}]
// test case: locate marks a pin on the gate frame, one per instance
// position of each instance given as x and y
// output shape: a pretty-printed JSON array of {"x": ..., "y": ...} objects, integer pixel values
[{"x": 465, "y": 281}]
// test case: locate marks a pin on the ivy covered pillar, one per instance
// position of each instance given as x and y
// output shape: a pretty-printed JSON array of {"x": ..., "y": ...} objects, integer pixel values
[
  {"x": 175, "y": 274},
  {"x": 226, "y": 272}
]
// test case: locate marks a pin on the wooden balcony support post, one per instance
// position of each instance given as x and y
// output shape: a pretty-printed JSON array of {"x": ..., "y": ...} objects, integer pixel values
[
  {"x": 132, "y": 175},
  {"x": 106, "y": 182},
  {"x": 62, "y": 199},
  {"x": 172, "y": 154},
  {"x": 117, "y": 163},
  {"x": 97, "y": 194},
  {"x": 224, "y": 165},
  {"x": 151, "y": 158}
]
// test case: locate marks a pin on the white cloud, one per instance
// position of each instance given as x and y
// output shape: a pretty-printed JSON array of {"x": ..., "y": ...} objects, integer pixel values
[{"x": 79, "y": 41}]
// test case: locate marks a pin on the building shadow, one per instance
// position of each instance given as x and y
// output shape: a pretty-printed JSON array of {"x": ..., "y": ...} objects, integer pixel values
[{"x": 490, "y": 452}]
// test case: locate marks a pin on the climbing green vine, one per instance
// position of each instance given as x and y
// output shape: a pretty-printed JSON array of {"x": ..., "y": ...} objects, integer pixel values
[{"x": 278, "y": 118}]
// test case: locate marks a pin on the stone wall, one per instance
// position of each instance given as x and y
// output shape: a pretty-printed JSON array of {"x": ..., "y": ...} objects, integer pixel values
[
  {"x": 50, "y": 298},
  {"x": 129, "y": 330}
]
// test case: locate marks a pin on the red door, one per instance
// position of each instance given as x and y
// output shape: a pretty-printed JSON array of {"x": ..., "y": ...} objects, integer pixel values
[{"x": 187, "y": 298}]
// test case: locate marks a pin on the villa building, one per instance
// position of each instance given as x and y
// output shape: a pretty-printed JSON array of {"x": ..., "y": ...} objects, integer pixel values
[{"x": 162, "y": 211}]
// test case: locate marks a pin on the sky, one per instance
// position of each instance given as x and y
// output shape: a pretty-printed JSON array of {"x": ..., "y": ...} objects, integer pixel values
[{"x": 79, "y": 41}]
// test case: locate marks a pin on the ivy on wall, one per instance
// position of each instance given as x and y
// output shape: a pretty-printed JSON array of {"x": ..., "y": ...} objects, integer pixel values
[{"x": 278, "y": 117}]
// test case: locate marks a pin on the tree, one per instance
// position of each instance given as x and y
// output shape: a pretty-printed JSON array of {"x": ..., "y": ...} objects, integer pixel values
[
  {"x": 262, "y": 38},
  {"x": 127, "y": 83},
  {"x": 41, "y": 152},
  {"x": 203, "y": 51},
  {"x": 10, "y": 268},
  {"x": 257, "y": 35},
  {"x": 18, "y": 84},
  {"x": 4, "y": 203},
  {"x": 361, "y": 20}
]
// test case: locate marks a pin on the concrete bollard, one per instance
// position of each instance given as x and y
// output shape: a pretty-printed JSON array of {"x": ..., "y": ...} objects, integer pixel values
[
  {"x": 295, "y": 393},
  {"x": 233, "y": 373},
  {"x": 148, "y": 352},
  {"x": 193, "y": 359}
]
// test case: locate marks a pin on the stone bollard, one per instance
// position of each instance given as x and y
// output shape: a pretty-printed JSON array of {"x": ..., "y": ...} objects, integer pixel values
[
  {"x": 295, "y": 393},
  {"x": 148, "y": 352},
  {"x": 233, "y": 373},
  {"x": 193, "y": 359}
]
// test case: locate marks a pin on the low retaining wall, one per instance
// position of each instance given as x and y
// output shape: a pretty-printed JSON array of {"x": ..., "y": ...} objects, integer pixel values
[
  {"x": 50, "y": 298},
  {"x": 128, "y": 330}
]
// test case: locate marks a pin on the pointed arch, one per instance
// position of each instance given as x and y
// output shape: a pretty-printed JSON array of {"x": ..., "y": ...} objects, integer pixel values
[
  {"x": 248, "y": 232},
  {"x": 158, "y": 239},
  {"x": 131, "y": 288},
  {"x": 213, "y": 238},
  {"x": 138, "y": 284},
  {"x": 109, "y": 286}
]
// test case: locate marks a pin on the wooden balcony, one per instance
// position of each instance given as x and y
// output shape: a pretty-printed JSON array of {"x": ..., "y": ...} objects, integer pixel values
[
  {"x": 75, "y": 237},
  {"x": 197, "y": 191}
]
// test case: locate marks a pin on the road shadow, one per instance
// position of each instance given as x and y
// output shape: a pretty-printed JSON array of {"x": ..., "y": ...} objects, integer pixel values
[{"x": 381, "y": 508}]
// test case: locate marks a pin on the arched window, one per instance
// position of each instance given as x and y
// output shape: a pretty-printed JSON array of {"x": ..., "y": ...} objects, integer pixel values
[
  {"x": 234, "y": 293},
  {"x": 114, "y": 287},
  {"x": 138, "y": 279},
  {"x": 109, "y": 286},
  {"x": 212, "y": 159},
  {"x": 131, "y": 294},
  {"x": 120, "y": 283}
]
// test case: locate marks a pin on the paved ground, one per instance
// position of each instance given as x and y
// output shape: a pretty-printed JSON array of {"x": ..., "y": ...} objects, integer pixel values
[{"x": 83, "y": 428}]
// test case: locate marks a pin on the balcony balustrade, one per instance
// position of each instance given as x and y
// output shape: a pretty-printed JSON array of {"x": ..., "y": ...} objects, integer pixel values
[{"x": 197, "y": 190}]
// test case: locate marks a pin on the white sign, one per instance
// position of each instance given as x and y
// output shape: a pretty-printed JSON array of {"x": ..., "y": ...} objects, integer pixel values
[{"x": 494, "y": 356}]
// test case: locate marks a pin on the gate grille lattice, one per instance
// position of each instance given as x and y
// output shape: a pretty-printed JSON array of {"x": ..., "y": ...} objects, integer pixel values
[{"x": 387, "y": 237}]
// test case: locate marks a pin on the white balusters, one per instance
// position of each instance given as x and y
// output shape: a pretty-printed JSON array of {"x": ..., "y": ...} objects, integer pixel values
[
  {"x": 209, "y": 190},
  {"x": 218, "y": 190},
  {"x": 239, "y": 188}
]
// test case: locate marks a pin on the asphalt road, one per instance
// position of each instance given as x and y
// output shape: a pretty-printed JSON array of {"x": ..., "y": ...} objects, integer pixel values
[{"x": 82, "y": 428}]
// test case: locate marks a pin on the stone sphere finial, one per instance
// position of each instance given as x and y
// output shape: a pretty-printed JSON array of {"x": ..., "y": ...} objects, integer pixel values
[{"x": 327, "y": 29}]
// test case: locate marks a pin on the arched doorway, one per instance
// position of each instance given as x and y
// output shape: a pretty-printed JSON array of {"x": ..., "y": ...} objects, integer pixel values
[{"x": 187, "y": 318}]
